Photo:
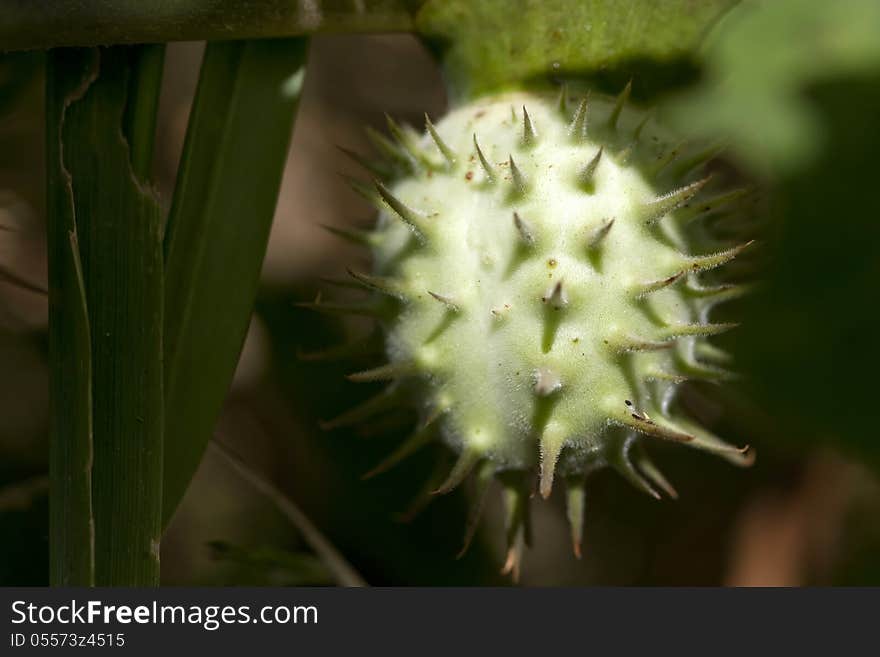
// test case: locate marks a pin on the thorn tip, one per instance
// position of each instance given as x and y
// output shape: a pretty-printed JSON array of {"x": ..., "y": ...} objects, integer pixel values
[
  {"x": 599, "y": 234},
  {"x": 526, "y": 234},
  {"x": 659, "y": 207},
  {"x": 577, "y": 129},
  {"x": 530, "y": 135},
  {"x": 487, "y": 167},
  {"x": 447, "y": 301},
  {"x": 517, "y": 177},
  {"x": 444, "y": 149},
  {"x": 556, "y": 297},
  {"x": 585, "y": 175}
]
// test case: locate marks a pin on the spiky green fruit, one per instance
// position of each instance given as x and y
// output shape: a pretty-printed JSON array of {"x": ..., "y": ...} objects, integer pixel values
[{"x": 541, "y": 302}]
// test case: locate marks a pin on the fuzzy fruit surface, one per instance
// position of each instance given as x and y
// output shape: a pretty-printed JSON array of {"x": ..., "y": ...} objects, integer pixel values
[{"x": 548, "y": 301}]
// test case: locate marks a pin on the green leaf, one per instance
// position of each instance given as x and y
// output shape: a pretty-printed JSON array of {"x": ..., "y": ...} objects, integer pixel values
[
  {"x": 758, "y": 64},
  {"x": 105, "y": 326},
  {"x": 142, "y": 107},
  {"x": 497, "y": 43},
  {"x": 227, "y": 189},
  {"x": 794, "y": 87},
  {"x": 808, "y": 341},
  {"x": 71, "y": 521}
]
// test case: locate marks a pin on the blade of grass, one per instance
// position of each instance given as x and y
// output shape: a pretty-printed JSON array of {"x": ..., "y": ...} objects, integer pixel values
[
  {"x": 342, "y": 571},
  {"x": 227, "y": 188},
  {"x": 113, "y": 224},
  {"x": 71, "y": 520},
  {"x": 32, "y": 25},
  {"x": 142, "y": 106}
]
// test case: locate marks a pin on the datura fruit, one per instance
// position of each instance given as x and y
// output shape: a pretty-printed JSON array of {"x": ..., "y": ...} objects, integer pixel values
[{"x": 539, "y": 300}]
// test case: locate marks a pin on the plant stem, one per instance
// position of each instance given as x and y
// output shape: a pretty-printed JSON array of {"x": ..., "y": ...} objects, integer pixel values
[
  {"x": 71, "y": 519},
  {"x": 33, "y": 25},
  {"x": 106, "y": 300},
  {"x": 343, "y": 571}
]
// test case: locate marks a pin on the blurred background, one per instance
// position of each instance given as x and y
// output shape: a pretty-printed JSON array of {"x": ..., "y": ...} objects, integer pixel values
[{"x": 806, "y": 513}]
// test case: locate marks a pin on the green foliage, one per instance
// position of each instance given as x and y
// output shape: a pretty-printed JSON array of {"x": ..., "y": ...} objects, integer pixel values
[
  {"x": 758, "y": 65},
  {"x": 227, "y": 188},
  {"x": 807, "y": 345},
  {"x": 72, "y": 560},
  {"x": 498, "y": 43},
  {"x": 795, "y": 86},
  {"x": 106, "y": 274}
]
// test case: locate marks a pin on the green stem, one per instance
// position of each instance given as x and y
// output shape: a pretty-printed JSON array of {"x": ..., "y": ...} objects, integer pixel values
[
  {"x": 106, "y": 300},
  {"x": 71, "y": 520},
  {"x": 33, "y": 25},
  {"x": 343, "y": 572}
]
